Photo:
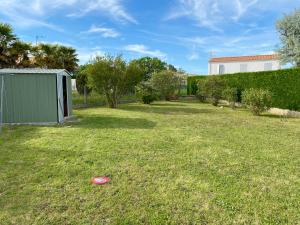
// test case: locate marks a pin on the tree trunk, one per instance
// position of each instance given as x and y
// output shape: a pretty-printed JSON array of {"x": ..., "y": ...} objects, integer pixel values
[
  {"x": 85, "y": 95},
  {"x": 115, "y": 98}
]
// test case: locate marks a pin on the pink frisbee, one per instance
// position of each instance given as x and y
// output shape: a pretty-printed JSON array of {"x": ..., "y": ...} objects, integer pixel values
[{"x": 100, "y": 180}]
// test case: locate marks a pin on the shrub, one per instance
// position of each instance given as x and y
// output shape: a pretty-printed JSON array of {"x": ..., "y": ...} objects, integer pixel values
[
  {"x": 145, "y": 92},
  {"x": 231, "y": 95},
  {"x": 166, "y": 83},
  {"x": 192, "y": 84},
  {"x": 212, "y": 88},
  {"x": 201, "y": 95},
  {"x": 82, "y": 80},
  {"x": 283, "y": 84},
  {"x": 257, "y": 100}
]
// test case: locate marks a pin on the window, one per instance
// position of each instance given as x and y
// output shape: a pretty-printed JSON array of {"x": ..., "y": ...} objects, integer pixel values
[
  {"x": 221, "y": 69},
  {"x": 243, "y": 68},
  {"x": 268, "y": 66}
]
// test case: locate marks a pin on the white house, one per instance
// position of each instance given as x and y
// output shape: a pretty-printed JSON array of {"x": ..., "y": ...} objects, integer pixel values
[{"x": 238, "y": 64}]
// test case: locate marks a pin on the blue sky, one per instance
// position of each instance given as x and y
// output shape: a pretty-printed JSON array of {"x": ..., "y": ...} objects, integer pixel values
[{"x": 182, "y": 32}]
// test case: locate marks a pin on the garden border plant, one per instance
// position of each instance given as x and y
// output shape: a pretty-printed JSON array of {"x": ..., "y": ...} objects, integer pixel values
[{"x": 283, "y": 84}]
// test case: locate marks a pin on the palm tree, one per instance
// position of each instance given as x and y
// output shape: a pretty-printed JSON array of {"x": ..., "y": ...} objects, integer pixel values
[
  {"x": 67, "y": 58},
  {"x": 7, "y": 40},
  {"x": 55, "y": 57},
  {"x": 20, "y": 55}
]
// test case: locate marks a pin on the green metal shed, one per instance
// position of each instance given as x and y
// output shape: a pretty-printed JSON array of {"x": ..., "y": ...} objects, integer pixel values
[{"x": 35, "y": 96}]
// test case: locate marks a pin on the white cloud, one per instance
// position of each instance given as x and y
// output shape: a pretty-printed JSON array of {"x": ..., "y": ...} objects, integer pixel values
[
  {"x": 144, "y": 50},
  {"x": 26, "y": 13},
  {"x": 104, "y": 31},
  {"x": 210, "y": 13},
  {"x": 86, "y": 54},
  {"x": 193, "y": 56},
  {"x": 230, "y": 45},
  {"x": 112, "y": 8},
  {"x": 193, "y": 40},
  {"x": 242, "y": 8}
]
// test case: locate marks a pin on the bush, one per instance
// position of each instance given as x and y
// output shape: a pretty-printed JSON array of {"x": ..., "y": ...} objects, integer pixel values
[
  {"x": 283, "y": 84},
  {"x": 166, "y": 83},
  {"x": 257, "y": 100},
  {"x": 201, "y": 95},
  {"x": 192, "y": 84},
  {"x": 231, "y": 95},
  {"x": 145, "y": 92},
  {"x": 212, "y": 88},
  {"x": 82, "y": 80},
  {"x": 148, "y": 99}
]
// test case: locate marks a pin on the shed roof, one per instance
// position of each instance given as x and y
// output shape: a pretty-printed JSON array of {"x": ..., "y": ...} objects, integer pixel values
[
  {"x": 35, "y": 71},
  {"x": 245, "y": 58}
]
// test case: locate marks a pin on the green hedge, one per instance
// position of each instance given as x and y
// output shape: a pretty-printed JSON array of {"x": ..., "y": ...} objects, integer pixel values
[
  {"x": 284, "y": 85},
  {"x": 192, "y": 82}
]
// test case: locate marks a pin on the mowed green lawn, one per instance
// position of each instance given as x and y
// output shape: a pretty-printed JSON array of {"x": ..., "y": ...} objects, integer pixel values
[{"x": 170, "y": 163}]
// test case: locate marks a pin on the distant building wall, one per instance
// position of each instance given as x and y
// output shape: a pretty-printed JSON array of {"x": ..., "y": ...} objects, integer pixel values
[
  {"x": 242, "y": 66},
  {"x": 74, "y": 85}
]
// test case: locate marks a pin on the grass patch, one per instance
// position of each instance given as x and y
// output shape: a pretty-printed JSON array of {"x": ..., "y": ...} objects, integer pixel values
[
  {"x": 94, "y": 99},
  {"x": 170, "y": 163}
]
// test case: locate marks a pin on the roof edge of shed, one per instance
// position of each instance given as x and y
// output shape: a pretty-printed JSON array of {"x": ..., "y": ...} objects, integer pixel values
[{"x": 35, "y": 71}]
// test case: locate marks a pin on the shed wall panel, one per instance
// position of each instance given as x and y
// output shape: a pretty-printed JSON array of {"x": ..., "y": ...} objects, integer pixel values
[{"x": 30, "y": 98}]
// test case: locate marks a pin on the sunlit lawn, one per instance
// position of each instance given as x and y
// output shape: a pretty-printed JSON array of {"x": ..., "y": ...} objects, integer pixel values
[{"x": 170, "y": 163}]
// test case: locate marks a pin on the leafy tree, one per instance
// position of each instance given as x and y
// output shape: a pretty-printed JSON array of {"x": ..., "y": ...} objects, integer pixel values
[
  {"x": 112, "y": 77},
  {"x": 289, "y": 31},
  {"x": 134, "y": 75},
  {"x": 231, "y": 95},
  {"x": 166, "y": 83},
  {"x": 172, "y": 68},
  {"x": 81, "y": 75},
  {"x": 257, "y": 100},
  {"x": 7, "y": 41},
  {"x": 150, "y": 65},
  {"x": 212, "y": 88}
]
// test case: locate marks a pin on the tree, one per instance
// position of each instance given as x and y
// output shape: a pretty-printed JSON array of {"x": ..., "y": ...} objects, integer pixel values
[
  {"x": 67, "y": 58},
  {"x": 112, "y": 77},
  {"x": 212, "y": 87},
  {"x": 133, "y": 76},
  {"x": 172, "y": 68},
  {"x": 7, "y": 40},
  {"x": 55, "y": 57},
  {"x": 19, "y": 55},
  {"x": 166, "y": 83},
  {"x": 150, "y": 65},
  {"x": 289, "y": 31},
  {"x": 81, "y": 75}
]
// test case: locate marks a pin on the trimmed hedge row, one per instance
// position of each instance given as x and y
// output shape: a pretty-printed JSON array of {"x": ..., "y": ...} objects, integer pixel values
[{"x": 284, "y": 85}]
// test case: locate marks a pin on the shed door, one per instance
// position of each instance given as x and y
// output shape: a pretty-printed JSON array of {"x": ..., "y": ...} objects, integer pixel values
[{"x": 60, "y": 99}]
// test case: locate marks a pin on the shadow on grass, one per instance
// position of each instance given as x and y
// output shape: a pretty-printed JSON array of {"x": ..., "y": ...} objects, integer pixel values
[
  {"x": 101, "y": 122},
  {"x": 278, "y": 116},
  {"x": 166, "y": 109},
  {"x": 170, "y": 104}
]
